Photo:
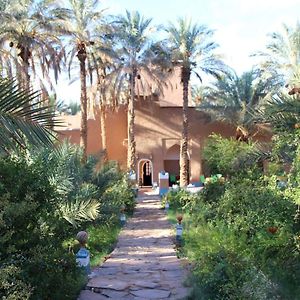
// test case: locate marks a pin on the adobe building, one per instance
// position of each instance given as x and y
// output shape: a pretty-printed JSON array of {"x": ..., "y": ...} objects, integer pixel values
[{"x": 158, "y": 124}]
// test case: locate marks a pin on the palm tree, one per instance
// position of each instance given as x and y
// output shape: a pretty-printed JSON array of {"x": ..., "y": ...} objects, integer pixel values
[
  {"x": 103, "y": 95},
  {"x": 28, "y": 29},
  {"x": 236, "y": 100},
  {"x": 83, "y": 17},
  {"x": 22, "y": 122},
  {"x": 282, "y": 111},
  {"x": 135, "y": 61},
  {"x": 192, "y": 51},
  {"x": 101, "y": 99},
  {"x": 107, "y": 99},
  {"x": 282, "y": 54}
]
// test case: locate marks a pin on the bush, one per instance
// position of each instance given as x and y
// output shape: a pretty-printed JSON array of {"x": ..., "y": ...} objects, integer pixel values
[
  {"x": 12, "y": 287},
  {"x": 249, "y": 206},
  {"x": 32, "y": 235},
  {"x": 221, "y": 155},
  {"x": 45, "y": 199},
  {"x": 178, "y": 199},
  {"x": 102, "y": 239},
  {"x": 241, "y": 240}
]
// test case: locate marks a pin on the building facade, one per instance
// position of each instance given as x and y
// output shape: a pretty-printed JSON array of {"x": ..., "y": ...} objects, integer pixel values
[{"x": 158, "y": 126}]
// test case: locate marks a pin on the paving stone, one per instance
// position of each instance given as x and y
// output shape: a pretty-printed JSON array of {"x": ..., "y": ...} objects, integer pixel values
[
  {"x": 146, "y": 284},
  {"x": 112, "y": 284},
  {"x": 151, "y": 294},
  {"x": 130, "y": 271},
  {"x": 89, "y": 295},
  {"x": 107, "y": 271},
  {"x": 170, "y": 267},
  {"x": 114, "y": 294},
  {"x": 156, "y": 277},
  {"x": 173, "y": 274}
]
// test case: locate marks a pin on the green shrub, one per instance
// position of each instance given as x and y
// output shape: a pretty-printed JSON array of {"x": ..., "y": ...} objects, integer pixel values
[
  {"x": 32, "y": 235},
  {"x": 242, "y": 239},
  {"x": 222, "y": 268},
  {"x": 107, "y": 175},
  {"x": 212, "y": 192},
  {"x": 117, "y": 195},
  {"x": 11, "y": 285},
  {"x": 46, "y": 197},
  {"x": 179, "y": 198},
  {"x": 102, "y": 240},
  {"x": 249, "y": 206},
  {"x": 221, "y": 154}
]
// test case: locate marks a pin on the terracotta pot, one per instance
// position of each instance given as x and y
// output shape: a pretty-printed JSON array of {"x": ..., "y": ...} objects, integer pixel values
[
  {"x": 179, "y": 218},
  {"x": 272, "y": 229}
]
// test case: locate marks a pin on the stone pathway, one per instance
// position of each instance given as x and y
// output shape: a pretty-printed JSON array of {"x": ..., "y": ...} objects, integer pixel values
[{"x": 143, "y": 265}]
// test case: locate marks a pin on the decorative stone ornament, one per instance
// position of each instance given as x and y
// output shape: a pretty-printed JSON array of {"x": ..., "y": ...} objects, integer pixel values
[
  {"x": 122, "y": 219},
  {"x": 122, "y": 215},
  {"x": 132, "y": 175},
  {"x": 83, "y": 255},
  {"x": 179, "y": 230},
  {"x": 82, "y": 237},
  {"x": 167, "y": 206}
]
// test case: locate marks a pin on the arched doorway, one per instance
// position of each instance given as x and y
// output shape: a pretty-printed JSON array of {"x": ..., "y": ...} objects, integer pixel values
[{"x": 145, "y": 172}]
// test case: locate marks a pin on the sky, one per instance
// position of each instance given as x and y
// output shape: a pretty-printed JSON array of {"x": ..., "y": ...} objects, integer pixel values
[{"x": 241, "y": 26}]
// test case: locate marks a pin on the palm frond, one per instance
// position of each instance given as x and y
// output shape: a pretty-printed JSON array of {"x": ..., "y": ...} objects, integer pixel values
[
  {"x": 282, "y": 54},
  {"x": 79, "y": 210},
  {"x": 282, "y": 111},
  {"x": 24, "y": 118}
]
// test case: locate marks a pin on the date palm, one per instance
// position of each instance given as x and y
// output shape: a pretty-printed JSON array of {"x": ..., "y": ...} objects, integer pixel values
[
  {"x": 282, "y": 54},
  {"x": 192, "y": 51},
  {"x": 282, "y": 111},
  {"x": 237, "y": 99},
  {"x": 108, "y": 99},
  {"x": 103, "y": 99},
  {"x": 135, "y": 59},
  {"x": 103, "y": 93},
  {"x": 28, "y": 34},
  {"x": 83, "y": 18}
]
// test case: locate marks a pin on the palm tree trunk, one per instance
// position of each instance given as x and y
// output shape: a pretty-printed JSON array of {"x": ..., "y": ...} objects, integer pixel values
[
  {"x": 103, "y": 132},
  {"x": 83, "y": 101},
  {"x": 26, "y": 79},
  {"x": 185, "y": 75},
  {"x": 101, "y": 91},
  {"x": 25, "y": 55},
  {"x": 25, "y": 76},
  {"x": 131, "y": 116}
]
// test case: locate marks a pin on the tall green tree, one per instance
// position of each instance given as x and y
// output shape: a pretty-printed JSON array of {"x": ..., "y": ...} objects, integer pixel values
[
  {"x": 237, "y": 100},
  {"x": 83, "y": 18},
  {"x": 103, "y": 94},
  {"x": 135, "y": 61},
  {"x": 193, "y": 51},
  {"x": 28, "y": 33},
  {"x": 282, "y": 55}
]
